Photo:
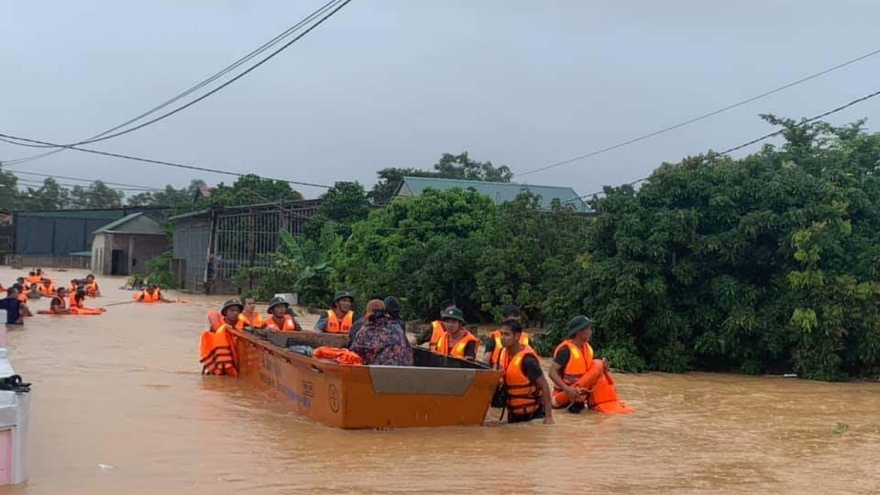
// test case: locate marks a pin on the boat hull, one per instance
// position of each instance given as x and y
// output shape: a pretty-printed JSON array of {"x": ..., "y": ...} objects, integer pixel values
[{"x": 438, "y": 391}]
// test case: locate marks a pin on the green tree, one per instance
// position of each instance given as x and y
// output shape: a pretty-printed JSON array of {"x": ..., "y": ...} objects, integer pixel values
[
  {"x": 49, "y": 196},
  {"x": 420, "y": 249},
  {"x": 250, "y": 189},
  {"x": 96, "y": 195},
  {"x": 763, "y": 263},
  {"x": 9, "y": 196},
  {"x": 170, "y": 196},
  {"x": 526, "y": 252},
  {"x": 343, "y": 204}
]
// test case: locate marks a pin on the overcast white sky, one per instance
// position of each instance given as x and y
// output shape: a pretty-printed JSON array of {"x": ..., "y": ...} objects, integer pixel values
[{"x": 394, "y": 83}]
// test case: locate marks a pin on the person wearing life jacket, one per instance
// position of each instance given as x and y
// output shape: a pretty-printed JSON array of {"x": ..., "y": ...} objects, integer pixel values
[
  {"x": 47, "y": 288},
  {"x": 280, "y": 321},
  {"x": 78, "y": 307},
  {"x": 151, "y": 294},
  {"x": 22, "y": 299},
  {"x": 33, "y": 278},
  {"x": 250, "y": 316},
  {"x": 58, "y": 304},
  {"x": 437, "y": 329},
  {"x": 91, "y": 286},
  {"x": 217, "y": 347},
  {"x": 339, "y": 318},
  {"x": 12, "y": 305},
  {"x": 492, "y": 353},
  {"x": 526, "y": 391},
  {"x": 581, "y": 381},
  {"x": 456, "y": 341}
]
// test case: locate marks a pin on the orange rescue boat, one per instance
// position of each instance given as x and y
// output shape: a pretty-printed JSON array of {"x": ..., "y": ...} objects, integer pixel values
[{"x": 436, "y": 391}]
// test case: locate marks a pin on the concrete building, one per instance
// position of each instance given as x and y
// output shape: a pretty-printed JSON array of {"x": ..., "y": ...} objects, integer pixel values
[
  {"x": 63, "y": 238},
  {"x": 124, "y": 246}
]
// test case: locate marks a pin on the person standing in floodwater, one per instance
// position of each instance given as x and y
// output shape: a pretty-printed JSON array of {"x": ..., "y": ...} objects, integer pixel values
[
  {"x": 12, "y": 305},
  {"x": 527, "y": 392}
]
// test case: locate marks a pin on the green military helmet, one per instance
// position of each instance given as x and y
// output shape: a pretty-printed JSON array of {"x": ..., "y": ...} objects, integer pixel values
[
  {"x": 578, "y": 323},
  {"x": 231, "y": 303},
  {"x": 452, "y": 314},
  {"x": 275, "y": 302}
]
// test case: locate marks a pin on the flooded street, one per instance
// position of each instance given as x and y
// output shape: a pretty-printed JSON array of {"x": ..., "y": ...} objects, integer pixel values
[{"x": 123, "y": 390}]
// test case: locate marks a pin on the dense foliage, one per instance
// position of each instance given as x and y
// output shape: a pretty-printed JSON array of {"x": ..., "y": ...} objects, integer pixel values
[{"x": 762, "y": 264}]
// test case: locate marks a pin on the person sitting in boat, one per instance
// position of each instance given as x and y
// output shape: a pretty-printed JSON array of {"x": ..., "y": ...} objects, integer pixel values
[
  {"x": 47, "y": 288},
  {"x": 152, "y": 294},
  {"x": 280, "y": 321},
  {"x": 217, "y": 347},
  {"x": 34, "y": 292},
  {"x": 526, "y": 391},
  {"x": 58, "y": 305},
  {"x": 456, "y": 340},
  {"x": 91, "y": 286},
  {"x": 579, "y": 379},
  {"x": 339, "y": 318},
  {"x": 393, "y": 313},
  {"x": 249, "y": 316},
  {"x": 381, "y": 341},
  {"x": 493, "y": 346},
  {"x": 437, "y": 329}
]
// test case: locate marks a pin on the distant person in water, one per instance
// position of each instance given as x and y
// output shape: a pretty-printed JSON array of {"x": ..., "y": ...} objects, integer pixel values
[
  {"x": 34, "y": 292},
  {"x": 152, "y": 294},
  {"x": 12, "y": 306}
]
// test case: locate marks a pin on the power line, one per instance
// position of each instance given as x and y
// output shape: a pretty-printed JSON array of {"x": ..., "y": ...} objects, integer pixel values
[
  {"x": 189, "y": 91},
  {"x": 121, "y": 184},
  {"x": 157, "y": 162},
  {"x": 704, "y": 116},
  {"x": 340, "y": 3},
  {"x": 764, "y": 137}
]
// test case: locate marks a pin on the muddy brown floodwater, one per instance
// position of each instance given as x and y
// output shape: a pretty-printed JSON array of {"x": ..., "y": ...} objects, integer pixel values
[{"x": 123, "y": 390}]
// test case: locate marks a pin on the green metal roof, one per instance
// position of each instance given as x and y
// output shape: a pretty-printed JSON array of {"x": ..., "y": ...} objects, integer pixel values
[
  {"x": 145, "y": 226},
  {"x": 116, "y": 223},
  {"x": 499, "y": 192}
]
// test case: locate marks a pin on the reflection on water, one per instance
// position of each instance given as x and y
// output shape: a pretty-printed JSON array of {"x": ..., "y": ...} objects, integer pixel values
[{"x": 123, "y": 390}]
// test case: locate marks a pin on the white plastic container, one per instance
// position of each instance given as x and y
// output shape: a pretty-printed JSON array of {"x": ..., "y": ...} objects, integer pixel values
[
  {"x": 292, "y": 299},
  {"x": 14, "y": 415}
]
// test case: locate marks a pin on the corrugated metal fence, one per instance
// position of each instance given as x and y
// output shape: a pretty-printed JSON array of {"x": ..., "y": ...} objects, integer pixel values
[{"x": 213, "y": 249}]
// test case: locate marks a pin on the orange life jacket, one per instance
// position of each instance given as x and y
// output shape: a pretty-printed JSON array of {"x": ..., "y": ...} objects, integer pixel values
[
  {"x": 92, "y": 289},
  {"x": 35, "y": 279},
  {"x": 217, "y": 352},
  {"x": 72, "y": 300},
  {"x": 255, "y": 320},
  {"x": 437, "y": 331},
  {"x": 523, "y": 396},
  {"x": 335, "y": 325},
  {"x": 288, "y": 325},
  {"x": 579, "y": 361},
  {"x": 86, "y": 311},
  {"x": 338, "y": 354},
  {"x": 144, "y": 296},
  {"x": 456, "y": 350},
  {"x": 46, "y": 290},
  {"x": 494, "y": 360},
  {"x": 22, "y": 297}
]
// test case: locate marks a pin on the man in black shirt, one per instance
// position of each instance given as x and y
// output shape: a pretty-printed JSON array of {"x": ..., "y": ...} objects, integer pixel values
[{"x": 528, "y": 393}]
